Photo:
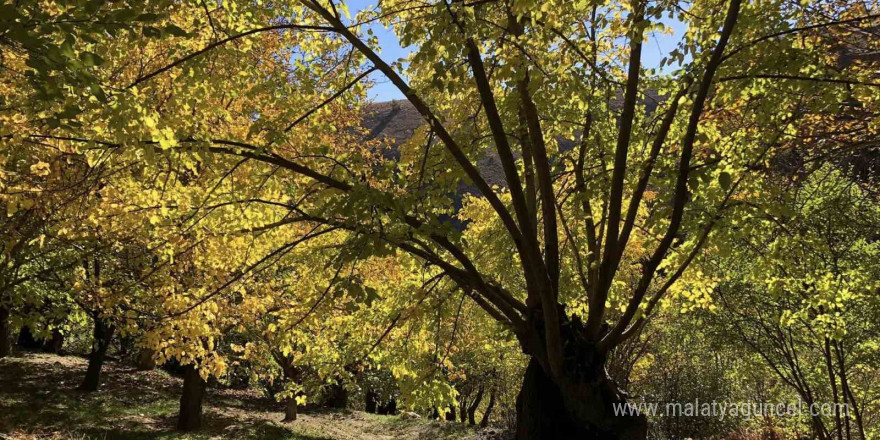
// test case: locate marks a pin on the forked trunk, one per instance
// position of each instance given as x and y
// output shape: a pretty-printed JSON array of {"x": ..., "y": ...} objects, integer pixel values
[
  {"x": 582, "y": 409},
  {"x": 103, "y": 334},
  {"x": 5, "y": 333},
  {"x": 190, "y": 417}
]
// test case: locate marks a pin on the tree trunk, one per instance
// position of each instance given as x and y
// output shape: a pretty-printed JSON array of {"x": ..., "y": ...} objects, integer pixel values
[
  {"x": 834, "y": 395},
  {"x": 450, "y": 415},
  {"x": 371, "y": 402},
  {"x": 388, "y": 408},
  {"x": 5, "y": 333},
  {"x": 145, "y": 360},
  {"x": 291, "y": 374},
  {"x": 54, "y": 343},
  {"x": 485, "y": 420},
  {"x": 847, "y": 393},
  {"x": 190, "y": 417},
  {"x": 26, "y": 339},
  {"x": 103, "y": 334},
  {"x": 290, "y": 410},
  {"x": 473, "y": 408},
  {"x": 336, "y": 396},
  {"x": 582, "y": 409}
]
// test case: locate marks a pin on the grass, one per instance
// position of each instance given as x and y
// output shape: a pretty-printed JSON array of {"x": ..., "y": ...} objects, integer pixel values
[{"x": 39, "y": 400}]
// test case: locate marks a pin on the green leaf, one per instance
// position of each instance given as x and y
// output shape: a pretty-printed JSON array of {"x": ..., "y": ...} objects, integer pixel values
[
  {"x": 176, "y": 31},
  {"x": 91, "y": 59}
]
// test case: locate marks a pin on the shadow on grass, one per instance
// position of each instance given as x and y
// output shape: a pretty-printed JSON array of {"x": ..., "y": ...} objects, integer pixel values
[{"x": 38, "y": 395}]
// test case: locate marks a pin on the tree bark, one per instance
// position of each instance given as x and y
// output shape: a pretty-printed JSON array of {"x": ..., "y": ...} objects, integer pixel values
[
  {"x": 582, "y": 409},
  {"x": 462, "y": 409},
  {"x": 103, "y": 334},
  {"x": 484, "y": 422},
  {"x": 291, "y": 374},
  {"x": 388, "y": 408},
  {"x": 371, "y": 402},
  {"x": 828, "y": 365},
  {"x": 290, "y": 410},
  {"x": 190, "y": 417},
  {"x": 471, "y": 411},
  {"x": 5, "y": 333},
  {"x": 336, "y": 396},
  {"x": 26, "y": 339},
  {"x": 450, "y": 415}
]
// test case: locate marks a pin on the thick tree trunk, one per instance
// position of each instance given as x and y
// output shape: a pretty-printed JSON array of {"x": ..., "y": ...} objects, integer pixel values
[
  {"x": 290, "y": 410},
  {"x": 54, "y": 343},
  {"x": 5, "y": 333},
  {"x": 485, "y": 420},
  {"x": 103, "y": 334},
  {"x": 190, "y": 417},
  {"x": 291, "y": 374},
  {"x": 582, "y": 409}
]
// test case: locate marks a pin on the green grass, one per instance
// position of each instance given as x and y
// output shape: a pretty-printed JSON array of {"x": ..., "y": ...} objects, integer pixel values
[{"x": 38, "y": 399}]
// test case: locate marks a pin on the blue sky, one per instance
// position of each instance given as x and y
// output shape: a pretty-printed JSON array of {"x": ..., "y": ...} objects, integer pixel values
[{"x": 652, "y": 52}]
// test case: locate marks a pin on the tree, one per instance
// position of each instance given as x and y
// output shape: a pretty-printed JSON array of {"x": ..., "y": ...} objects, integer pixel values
[
  {"x": 584, "y": 239},
  {"x": 797, "y": 290}
]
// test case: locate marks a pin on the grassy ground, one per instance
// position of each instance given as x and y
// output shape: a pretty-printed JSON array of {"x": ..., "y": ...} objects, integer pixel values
[{"x": 38, "y": 399}]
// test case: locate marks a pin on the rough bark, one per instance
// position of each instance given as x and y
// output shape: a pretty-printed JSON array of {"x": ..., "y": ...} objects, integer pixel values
[
  {"x": 582, "y": 409},
  {"x": 190, "y": 417},
  {"x": 103, "y": 334},
  {"x": 5, "y": 333}
]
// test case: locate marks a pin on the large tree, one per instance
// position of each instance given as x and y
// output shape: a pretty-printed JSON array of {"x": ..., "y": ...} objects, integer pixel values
[{"x": 610, "y": 175}]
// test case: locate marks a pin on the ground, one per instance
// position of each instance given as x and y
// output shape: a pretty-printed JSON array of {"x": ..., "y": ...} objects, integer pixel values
[{"x": 39, "y": 400}]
